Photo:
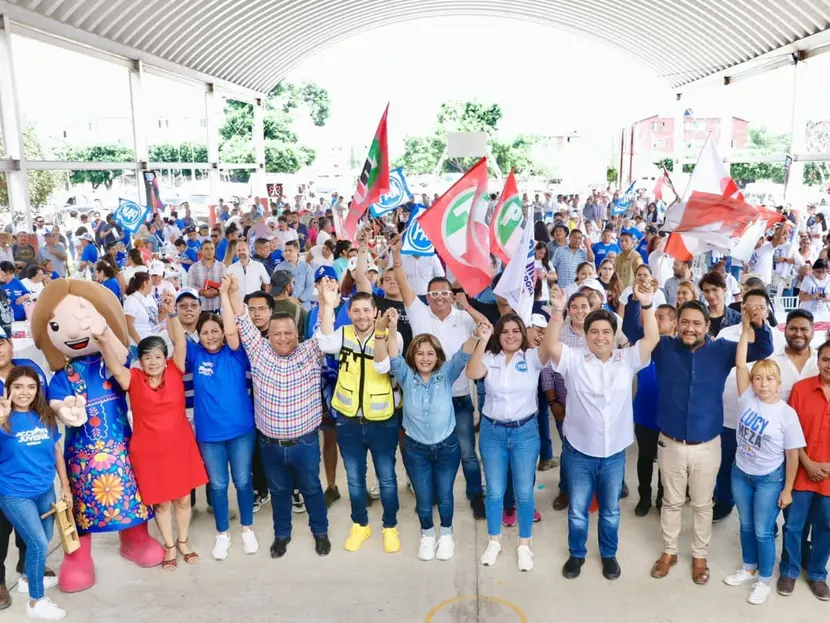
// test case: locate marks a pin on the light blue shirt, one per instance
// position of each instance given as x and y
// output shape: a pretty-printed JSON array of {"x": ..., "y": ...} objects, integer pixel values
[
  {"x": 303, "y": 280},
  {"x": 428, "y": 414}
]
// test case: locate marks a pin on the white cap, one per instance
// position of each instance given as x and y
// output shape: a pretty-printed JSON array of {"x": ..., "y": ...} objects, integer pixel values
[
  {"x": 88, "y": 237},
  {"x": 538, "y": 320},
  {"x": 595, "y": 285},
  {"x": 156, "y": 268}
]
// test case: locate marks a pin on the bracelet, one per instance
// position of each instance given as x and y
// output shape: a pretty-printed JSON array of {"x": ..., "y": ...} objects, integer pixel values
[
  {"x": 173, "y": 315},
  {"x": 649, "y": 306},
  {"x": 557, "y": 309},
  {"x": 398, "y": 265},
  {"x": 382, "y": 336}
]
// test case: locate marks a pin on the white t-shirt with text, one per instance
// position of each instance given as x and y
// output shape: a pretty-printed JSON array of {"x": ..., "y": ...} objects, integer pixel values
[{"x": 765, "y": 431}]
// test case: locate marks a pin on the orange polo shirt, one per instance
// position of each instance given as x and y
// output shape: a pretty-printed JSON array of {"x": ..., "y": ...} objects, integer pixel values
[{"x": 813, "y": 409}]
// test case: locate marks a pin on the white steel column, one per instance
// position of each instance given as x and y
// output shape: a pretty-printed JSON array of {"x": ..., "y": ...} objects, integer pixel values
[
  {"x": 679, "y": 125},
  {"x": 794, "y": 190},
  {"x": 16, "y": 179},
  {"x": 212, "y": 126},
  {"x": 258, "y": 182},
  {"x": 142, "y": 153}
]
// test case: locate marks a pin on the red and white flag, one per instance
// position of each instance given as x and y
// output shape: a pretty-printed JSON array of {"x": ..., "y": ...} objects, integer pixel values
[{"x": 660, "y": 188}]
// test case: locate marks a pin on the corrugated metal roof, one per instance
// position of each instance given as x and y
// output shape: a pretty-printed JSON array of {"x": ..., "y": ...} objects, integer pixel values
[{"x": 255, "y": 43}]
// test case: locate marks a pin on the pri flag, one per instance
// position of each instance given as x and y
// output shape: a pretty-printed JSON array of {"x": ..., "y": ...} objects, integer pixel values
[
  {"x": 622, "y": 203},
  {"x": 446, "y": 224},
  {"x": 398, "y": 194},
  {"x": 660, "y": 188},
  {"x": 415, "y": 241},
  {"x": 506, "y": 222},
  {"x": 373, "y": 181},
  {"x": 517, "y": 281},
  {"x": 478, "y": 228},
  {"x": 130, "y": 215}
]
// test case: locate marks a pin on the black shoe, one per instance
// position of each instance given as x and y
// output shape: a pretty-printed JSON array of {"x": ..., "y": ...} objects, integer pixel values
[
  {"x": 279, "y": 547},
  {"x": 610, "y": 568},
  {"x": 573, "y": 567},
  {"x": 659, "y": 504},
  {"x": 719, "y": 513},
  {"x": 477, "y": 504},
  {"x": 331, "y": 495},
  {"x": 642, "y": 508},
  {"x": 624, "y": 492},
  {"x": 322, "y": 545}
]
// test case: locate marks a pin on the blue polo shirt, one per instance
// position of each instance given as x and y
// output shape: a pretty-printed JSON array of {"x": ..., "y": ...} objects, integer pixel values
[
  {"x": 89, "y": 254},
  {"x": 221, "y": 249},
  {"x": 15, "y": 289},
  {"x": 191, "y": 255},
  {"x": 27, "y": 456},
  {"x": 113, "y": 286},
  {"x": 690, "y": 384},
  {"x": 196, "y": 245},
  {"x": 601, "y": 250}
]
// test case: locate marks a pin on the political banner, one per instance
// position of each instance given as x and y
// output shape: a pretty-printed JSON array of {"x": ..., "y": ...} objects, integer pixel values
[
  {"x": 130, "y": 215},
  {"x": 398, "y": 194},
  {"x": 519, "y": 278},
  {"x": 415, "y": 241},
  {"x": 622, "y": 203},
  {"x": 372, "y": 183}
]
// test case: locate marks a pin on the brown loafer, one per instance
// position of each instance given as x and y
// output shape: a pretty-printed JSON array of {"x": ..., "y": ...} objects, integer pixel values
[
  {"x": 663, "y": 564},
  {"x": 700, "y": 571},
  {"x": 785, "y": 586},
  {"x": 560, "y": 502},
  {"x": 820, "y": 589},
  {"x": 5, "y": 598}
]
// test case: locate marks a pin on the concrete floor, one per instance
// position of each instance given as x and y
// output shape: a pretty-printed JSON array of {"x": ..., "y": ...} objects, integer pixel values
[{"x": 370, "y": 586}]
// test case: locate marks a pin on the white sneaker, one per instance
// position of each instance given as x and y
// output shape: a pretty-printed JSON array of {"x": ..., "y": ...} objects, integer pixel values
[
  {"x": 760, "y": 593},
  {"x": 48, "y": 582},
  {"x": 249, "y": 542},
  {"x": 374, "y": 491},
  {"x": 426, "y": 550},
  {"x": 44, "y": 610},
  {"x": 446, "y": 547},
  {"x": 525, "y": 558},
  {"x": 488, "y": 558},
  {"x": 222, "y": 545},
  {"x": 741, "y": 576}
]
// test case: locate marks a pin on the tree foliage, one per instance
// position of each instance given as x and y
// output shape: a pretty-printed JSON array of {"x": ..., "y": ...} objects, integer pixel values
[
  {"x": 665, "y": 163},
  {"x": 41, "y": 183}
]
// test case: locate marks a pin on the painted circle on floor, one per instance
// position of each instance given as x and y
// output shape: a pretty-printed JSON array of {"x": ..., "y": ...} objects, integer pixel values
[{"x": 494, "y": 601}]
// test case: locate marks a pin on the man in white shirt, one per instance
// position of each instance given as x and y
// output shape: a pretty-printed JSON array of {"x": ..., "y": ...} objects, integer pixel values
[
  {"x": 283, "y": 232},
  {"x": 452, "y": 327},
  {"x": 600, "y": 423},
  {"x": 420, "y": 270},
  {"x": 252, "y": 276},
  {"x": 326, "y": 230},
  {"x": 761, "y": 261}
]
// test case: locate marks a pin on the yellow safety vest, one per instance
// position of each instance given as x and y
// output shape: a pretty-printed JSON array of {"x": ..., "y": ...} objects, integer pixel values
[{"x": 359, "y": 386}]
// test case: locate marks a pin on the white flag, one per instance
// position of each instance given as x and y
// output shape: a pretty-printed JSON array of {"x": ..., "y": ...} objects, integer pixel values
[{"x": 517, "y": 280}]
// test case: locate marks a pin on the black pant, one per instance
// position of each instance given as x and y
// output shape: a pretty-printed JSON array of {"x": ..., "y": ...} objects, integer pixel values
[
  {"x": 647, "y": 452},
  {"x": 259, "y": 481},
  {"x": 5, "y": 537}
]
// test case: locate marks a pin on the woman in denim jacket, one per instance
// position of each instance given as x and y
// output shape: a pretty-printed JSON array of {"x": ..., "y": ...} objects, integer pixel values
[{"x": 430, "y": 449}]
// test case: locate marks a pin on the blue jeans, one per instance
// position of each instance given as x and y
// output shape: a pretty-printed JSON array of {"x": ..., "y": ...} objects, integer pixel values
[
  {"x": 285, "y": 466},
  {"x": 465, "y": 432},
  {"x": 588, "y": 475},
  {"x": 239, "y": 452},
  {"x": 815, "y": 508},
  {"x": 723, "y": 487},
  {"x": 546, "y": 447},
  {"x": 757, "y": 500},
  {"x": 381, "y": 439},
  {"x": 517, "y": 447},
  {"x": 432, "y": 470},
  {"x": 24, "y": 514},
  {"x": 563, "y": 473}
]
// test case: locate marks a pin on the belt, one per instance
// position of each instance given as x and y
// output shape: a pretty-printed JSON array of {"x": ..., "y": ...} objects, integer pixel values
[
  {"x": 362, "y": 420},
  {"x": 286, "y": 443},
  {"x": 683, "y": 441},
  {"x": 510, "y": 424}
]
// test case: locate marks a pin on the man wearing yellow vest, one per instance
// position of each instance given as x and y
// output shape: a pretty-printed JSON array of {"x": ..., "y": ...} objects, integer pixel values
[{"x": 365, "y": 405}]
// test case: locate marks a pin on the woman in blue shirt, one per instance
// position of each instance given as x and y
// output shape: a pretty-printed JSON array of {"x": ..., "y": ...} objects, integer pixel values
[
  {"x": 223, "y": 417},
  {"x": 30, "y": 455},
  {"x": 14, "y": 288},
  {"x": 430, "y": 449},
  {"x": 105, "y": 275}
]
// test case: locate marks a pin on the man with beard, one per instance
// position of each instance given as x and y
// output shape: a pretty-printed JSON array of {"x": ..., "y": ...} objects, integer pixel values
[
  {"x": 691, "y": 373},
  {"x": 682, "y": 272}
]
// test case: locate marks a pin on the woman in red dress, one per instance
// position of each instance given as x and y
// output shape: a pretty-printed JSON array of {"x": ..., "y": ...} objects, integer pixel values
[{"x": 163, "y": 451}]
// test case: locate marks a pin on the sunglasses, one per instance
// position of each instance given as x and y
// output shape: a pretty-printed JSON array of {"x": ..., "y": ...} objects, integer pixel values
[{"x": 437, "y": 294}]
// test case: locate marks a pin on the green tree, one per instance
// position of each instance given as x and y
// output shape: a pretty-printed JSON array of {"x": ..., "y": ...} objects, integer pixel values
[
  {"x": 611, "y": 175},
  {"x": 816, "y": 173},
  {"x": 762, "y": 140},
  {"x": 99, "y": 153},
  {"x": 665, "y": 163},
  {"x": 746, "y": 172},
  {"x": 41, "y": 183}
]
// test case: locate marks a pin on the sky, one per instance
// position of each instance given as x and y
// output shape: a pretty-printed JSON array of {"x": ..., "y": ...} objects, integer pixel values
[{"x": 547, "y": 81}]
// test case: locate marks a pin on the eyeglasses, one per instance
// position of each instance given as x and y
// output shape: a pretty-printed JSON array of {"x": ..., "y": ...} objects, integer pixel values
[
  {"x": 437, "y": 294},
  {"x": 214, "y": 235}
]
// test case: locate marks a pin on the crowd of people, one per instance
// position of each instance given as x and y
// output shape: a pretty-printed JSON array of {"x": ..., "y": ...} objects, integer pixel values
[{"x": 264, "y": 347}]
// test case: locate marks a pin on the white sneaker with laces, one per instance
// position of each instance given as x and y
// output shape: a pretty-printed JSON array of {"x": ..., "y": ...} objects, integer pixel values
[
  {"x": 446, "y": 547},
  {"x": 222, "y": 545},
  {"x": 48, "y": 582},
  {"x": 249, "y": 542},
  {"x": 426, "y": 550},
  {"x": 44, "y": 610},
  {"x": 488, "y": 558},
  {"x": 374, "y": 491},
  {"x": 760, "y": 593},
  {"x": 525, "y": 558},
  {"x": 741, "y": 576}
]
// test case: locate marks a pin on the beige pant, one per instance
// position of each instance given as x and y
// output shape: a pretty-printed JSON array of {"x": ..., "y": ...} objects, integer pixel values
[{"x": 695, "y": 466}]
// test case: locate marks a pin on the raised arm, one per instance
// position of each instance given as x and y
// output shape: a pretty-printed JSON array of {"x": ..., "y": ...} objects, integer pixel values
[
  {"x": 361, "y": 272},
  {"x": 632, "y": 323},
  {"x": 176, "y": 332},
  {"x": 407, "y": 293},
  {"x": 651, "y": 333},
  {"x": 463, "y": 304},
  {"x": 741, "y": 369},
  {"x": 229, "y": 283},
  {"x": 392, "y": 317},
  {"x": 114, "y": 365},
  {"x": 475, "y": 367},
  {"x": 551, "y": 347},
  {"x": 382, "y": 335},
  {"x": 328, "y": 296}
]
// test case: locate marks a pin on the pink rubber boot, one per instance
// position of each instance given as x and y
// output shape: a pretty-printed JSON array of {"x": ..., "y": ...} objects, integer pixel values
[
  {"x": 139, "y": 547},
  {"x": 77, "y": 572}
]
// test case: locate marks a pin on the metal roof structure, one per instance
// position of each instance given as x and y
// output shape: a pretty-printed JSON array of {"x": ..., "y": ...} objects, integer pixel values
[{"x": 253, "y": 44}]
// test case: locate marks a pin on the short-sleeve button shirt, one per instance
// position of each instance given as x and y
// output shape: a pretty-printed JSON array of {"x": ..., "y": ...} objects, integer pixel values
[{"x": 511, "y": 386}]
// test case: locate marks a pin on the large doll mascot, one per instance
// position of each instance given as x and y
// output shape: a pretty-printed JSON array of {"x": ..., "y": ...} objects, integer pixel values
[{"x": 94, "y": 409}]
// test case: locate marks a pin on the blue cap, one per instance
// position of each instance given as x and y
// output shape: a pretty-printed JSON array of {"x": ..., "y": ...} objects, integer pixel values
[
  {"x": 192, "y": 292},
  {"x": 325, "y": 271}
]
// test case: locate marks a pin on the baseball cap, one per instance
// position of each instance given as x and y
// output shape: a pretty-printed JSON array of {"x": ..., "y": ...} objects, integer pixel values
[
  {"x": 280, "y": 280},
  {"x": 538, "y": 320},
  {"x": 88, "y": 237},
  {"x": 651, "y": 229},
  {"x": 325, "y": 271},
  {"x": 156, "y": 268},
  {"x": 191, "y": 292},
  {"x": 593, "y": 284},
  {"x": 190, "y": 229}
]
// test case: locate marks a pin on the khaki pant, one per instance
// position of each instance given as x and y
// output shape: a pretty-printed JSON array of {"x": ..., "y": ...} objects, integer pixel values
[{"x": 695, "y": 466}]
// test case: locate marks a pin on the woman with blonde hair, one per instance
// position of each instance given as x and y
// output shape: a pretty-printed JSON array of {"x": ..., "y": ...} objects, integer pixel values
[
  {"x": 686, "y": 291},
  {"x": 769, "y": 437}
]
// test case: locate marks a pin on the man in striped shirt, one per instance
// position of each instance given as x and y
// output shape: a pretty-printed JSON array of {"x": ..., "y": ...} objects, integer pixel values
[
  {"x": 288, "y": 409},
  {"x": 205, "y": 276}
]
